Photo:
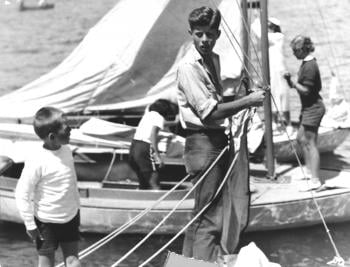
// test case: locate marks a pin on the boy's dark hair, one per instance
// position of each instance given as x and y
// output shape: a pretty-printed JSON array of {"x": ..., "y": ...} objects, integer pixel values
[
  {"x": 164, "y": 107},
  {"x": 47, "y": 120},
  {"x": 204, "y": 16}
]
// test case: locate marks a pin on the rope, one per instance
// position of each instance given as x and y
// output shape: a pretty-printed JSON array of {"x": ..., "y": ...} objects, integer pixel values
[
  {"x": 126, "y": 225},
  {"x": 330, "y": 45},
  {"x": 228, "y": 29},
  {"x": 173, "y": 209},
  {"x": 247, "y": 29},
  {"x": 337, "y": 258},
  {"x": 229, "y": 170},
  {"x": 196, "y": 216}
]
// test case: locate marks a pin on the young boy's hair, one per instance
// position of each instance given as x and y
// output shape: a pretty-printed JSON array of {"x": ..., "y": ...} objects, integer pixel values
[
  {"x": 164, "y": 107},
  {"x": 204, "y": 16},
  {"x": 303, "y": 42},
  {"x": 47, "y": 120}
]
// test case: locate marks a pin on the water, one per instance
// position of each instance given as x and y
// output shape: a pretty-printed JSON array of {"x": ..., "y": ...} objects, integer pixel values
[
  {"x": 304, "y": 247},
  {"x": 32, "y": 43}
]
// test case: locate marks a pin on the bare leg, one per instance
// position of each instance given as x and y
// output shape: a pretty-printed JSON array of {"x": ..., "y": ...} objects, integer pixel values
[
  {"x": 46, "y": 260},
  {"x": 70, "y": 252},
  {"x": 301, "y": 139},
  {"x": 314, "y": 155},
  {"x": 307, "y": 138}
]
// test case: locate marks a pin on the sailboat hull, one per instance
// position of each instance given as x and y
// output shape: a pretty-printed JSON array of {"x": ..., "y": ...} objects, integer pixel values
[{"x": 274, "y": 205}]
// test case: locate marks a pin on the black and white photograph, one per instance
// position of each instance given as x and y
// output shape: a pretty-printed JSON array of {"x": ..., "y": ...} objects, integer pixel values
[{"x": 174, "y": 133}]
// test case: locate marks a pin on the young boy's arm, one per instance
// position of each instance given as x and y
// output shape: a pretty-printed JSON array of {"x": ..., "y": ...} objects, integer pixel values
[
  {"x": 154, "y": 143},
  {"x": 24, "y": 197}
]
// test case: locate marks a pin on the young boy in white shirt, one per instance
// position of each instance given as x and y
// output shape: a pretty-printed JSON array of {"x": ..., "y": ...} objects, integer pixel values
[
  {"x": 47, "y": 195},
  {"x": 144, "y": 147}
]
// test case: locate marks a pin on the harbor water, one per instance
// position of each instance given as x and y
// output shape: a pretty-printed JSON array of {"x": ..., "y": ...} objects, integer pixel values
[
  {"x": 34, "y": 42},
  {"x": 303, "y": 247}
]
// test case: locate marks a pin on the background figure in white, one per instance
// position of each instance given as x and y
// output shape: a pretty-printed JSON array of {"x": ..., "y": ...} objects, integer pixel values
[{"x": 279, "y": 87}]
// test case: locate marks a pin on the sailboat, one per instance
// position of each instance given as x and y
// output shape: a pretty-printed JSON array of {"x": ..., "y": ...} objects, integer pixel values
[{"x": 116, "y": 72}]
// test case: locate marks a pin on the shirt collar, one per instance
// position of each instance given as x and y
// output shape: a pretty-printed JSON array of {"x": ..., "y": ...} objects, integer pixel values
[
  {"x": 196, "y": 55},
  {"x": 308, "y": 58}
]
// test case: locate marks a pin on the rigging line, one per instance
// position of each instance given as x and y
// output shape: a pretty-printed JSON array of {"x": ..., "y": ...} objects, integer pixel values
[
  {"x": 225, "y": 24},
  {"x": 109, "y": 237},
  {"x": 314, "y": 25},
  {"x": 311, "y": 192},
  {"x": 174, "y": 208},
  {"x": 331, "y": 47},
  {"x": 247, "y": 29},
  {"x": 229, "y": 170},
  {"x": 243, "y": 52},
  {"x": 235, "y": 49},
  {"x": 106, "y": 239}
]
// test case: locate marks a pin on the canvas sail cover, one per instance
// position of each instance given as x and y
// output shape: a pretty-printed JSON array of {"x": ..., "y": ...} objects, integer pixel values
[{"x": 127, "y": 60}]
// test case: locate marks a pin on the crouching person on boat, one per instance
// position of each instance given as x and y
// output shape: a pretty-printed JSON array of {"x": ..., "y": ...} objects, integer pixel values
[
  {"x": 313, "y": 109},
  {"x": 47, "y": 194},
  {"x": 144, "y": 153},
  {"x": 202, "y": 115}
]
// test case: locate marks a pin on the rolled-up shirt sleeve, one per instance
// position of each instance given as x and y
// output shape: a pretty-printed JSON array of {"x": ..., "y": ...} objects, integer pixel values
[{"x": 196, "y": 90}]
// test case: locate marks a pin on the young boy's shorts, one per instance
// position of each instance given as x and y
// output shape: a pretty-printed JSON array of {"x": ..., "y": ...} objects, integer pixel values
[{"x": 55, "y": 233}]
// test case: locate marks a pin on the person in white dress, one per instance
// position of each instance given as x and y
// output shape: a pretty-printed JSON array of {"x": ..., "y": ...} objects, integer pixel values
[{"x": 279, "y": 87}]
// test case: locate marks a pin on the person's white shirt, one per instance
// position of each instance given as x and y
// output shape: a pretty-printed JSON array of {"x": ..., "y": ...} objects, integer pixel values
[
  {"x": 47, "y": 188},
  {"x": 146, "y": 124}
]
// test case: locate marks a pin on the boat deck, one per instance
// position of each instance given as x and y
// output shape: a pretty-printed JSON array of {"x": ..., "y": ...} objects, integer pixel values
[{"x": 279, "y": 203}]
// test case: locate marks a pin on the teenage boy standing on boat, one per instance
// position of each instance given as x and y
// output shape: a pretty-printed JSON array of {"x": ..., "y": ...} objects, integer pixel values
[
  {"x": 47, "y": 195},
  {"x": 202, "y": 115}
]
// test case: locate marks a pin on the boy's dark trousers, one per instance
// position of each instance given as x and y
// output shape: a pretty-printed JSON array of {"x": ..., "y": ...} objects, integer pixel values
[{"x": 203, "y": 237}]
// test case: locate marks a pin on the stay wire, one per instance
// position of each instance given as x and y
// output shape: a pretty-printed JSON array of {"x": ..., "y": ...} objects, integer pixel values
[
  {"x": 304, "y": 175},
  {"x": 325, "y": 27},
  {"x": 228, "y": 29},
  {"x": 247, "y": 29},
  {"x": 173, "y": 209}
]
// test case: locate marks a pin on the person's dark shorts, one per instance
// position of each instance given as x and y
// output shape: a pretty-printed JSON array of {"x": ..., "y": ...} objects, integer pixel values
[
  {"x": 54, "y": 234},
  {"x": 141, "y": 156},
  {"x": 312, "y": 116}
]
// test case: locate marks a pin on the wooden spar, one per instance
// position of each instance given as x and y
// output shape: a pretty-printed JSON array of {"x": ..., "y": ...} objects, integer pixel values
[
  {"x": 245, "y": 36},
  {"x": 266, "y": 82}
]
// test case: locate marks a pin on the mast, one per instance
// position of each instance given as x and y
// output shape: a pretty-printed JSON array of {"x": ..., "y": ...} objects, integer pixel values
[
  {"x": 266, "y": 82},
  {"x": 245, "y": 36}
]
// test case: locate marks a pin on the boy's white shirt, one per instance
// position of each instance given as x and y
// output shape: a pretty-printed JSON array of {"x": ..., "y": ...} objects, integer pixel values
[
  {"x": 146, "y": 124},
  {"x": 47, "y": 188}
]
